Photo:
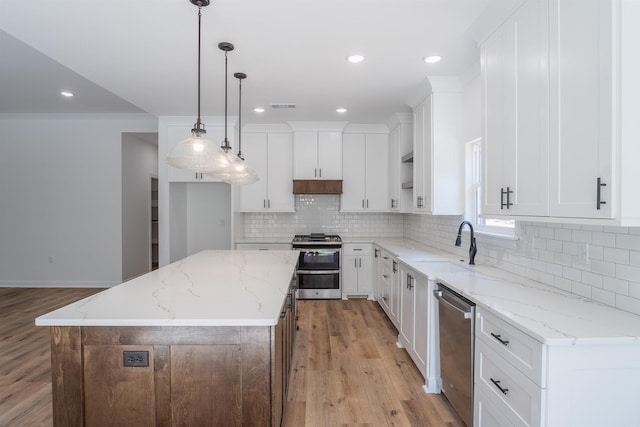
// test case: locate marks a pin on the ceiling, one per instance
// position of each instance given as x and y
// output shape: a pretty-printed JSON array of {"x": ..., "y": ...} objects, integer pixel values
[{"x": 123, "y": 56}]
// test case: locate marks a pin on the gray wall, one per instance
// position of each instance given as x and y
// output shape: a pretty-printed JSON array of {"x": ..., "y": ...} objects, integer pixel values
[{"x": 60, "y": 198}]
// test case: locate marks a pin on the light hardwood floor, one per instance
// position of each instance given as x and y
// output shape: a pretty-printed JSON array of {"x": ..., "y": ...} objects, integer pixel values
[
  {"x": 347, "y": 370},
  {"x": 25, "y": 361}
]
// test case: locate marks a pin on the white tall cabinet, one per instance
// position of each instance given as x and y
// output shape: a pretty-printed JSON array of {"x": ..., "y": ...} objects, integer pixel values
[
  {"x": 515, "y": 121},
  {"x": 365, "y": 174},
  {"x": 270, "y": 154},
  {"x": 400, "y": 145}
]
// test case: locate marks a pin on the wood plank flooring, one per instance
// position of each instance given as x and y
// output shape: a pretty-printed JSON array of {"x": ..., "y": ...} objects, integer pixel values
[
  {"x": 348, "y": 371},
  {"x": 25, "y": 361}
]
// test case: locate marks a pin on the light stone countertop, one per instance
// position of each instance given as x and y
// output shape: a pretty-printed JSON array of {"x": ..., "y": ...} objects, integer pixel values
[
  {"x": 550, "y": 315},
  {"x": 210, "y": 288}
]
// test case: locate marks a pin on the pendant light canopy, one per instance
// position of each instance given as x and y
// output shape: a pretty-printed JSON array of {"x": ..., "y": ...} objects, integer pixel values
[
  {"x": 239, "y": 172},
  {"x": 194, "y": 153}
]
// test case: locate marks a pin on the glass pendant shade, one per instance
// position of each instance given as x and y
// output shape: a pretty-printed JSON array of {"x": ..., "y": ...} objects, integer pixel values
[
  {"x": 239, "y": 173},
  {"x": 194, "y": 153}
]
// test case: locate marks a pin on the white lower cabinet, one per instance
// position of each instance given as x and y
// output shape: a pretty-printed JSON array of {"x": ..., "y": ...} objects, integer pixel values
[
  {"x": 415, "y": 315},
  {"x": 519, "y": 381},
  {"x": 357, "y": 270},
  {"x": 383, "y": 278}
]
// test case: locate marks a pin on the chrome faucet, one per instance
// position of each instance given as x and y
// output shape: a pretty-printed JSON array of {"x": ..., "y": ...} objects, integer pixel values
[{"x": 472, "y": 248}]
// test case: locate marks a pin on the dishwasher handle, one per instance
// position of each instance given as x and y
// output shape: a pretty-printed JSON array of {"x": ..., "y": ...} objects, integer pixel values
[{"x": 440, "y": 296}]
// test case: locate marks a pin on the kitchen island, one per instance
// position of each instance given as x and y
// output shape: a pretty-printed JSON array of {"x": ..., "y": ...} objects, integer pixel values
[{"x": 204, "y": 341}]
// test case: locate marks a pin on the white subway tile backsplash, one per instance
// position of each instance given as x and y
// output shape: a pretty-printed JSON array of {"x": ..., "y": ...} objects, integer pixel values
[
  {"x": 628, "y": 241},
  {"x": 603, "y": 239},
  {"x": 616, "y": 285},
  {"x": 603, "y": 296},
  {"x": 628, "y": 272},
  {"x": 619, "y": 256},
  {"x": 603, "y": 267},
  {"x": 563, "y": 234},
  {"x": 581, "y": 289},
  {"x": 547, "y": 252}
]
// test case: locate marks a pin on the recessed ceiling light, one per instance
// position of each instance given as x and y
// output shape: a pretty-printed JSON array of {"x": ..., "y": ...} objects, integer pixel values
[
  {"x": 354, "y": 59},
  {"x": 341, "y": 110},
  {"x": 432, "y": 59},
  {"x": 66, "y": 93},
  {"x": 259, "y": 110}
]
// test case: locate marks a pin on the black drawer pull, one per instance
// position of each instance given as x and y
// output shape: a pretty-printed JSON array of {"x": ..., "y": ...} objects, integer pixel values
[
  {"x": 497, "y": 384},
  {"x": 499, "y": 338}
]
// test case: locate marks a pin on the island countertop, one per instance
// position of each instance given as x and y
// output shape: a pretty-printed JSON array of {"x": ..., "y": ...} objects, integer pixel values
[{"x": 210, "y": 288}]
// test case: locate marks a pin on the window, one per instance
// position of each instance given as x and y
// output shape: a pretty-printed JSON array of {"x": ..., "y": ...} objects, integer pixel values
[{"x": 473, "y": 202}]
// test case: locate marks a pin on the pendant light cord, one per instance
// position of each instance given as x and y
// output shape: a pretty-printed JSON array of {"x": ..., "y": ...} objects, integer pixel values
[
  {"x": 240, "y": 120},
  {"x": 226, "y": 145},
  {"x": 199, "y": 127}
]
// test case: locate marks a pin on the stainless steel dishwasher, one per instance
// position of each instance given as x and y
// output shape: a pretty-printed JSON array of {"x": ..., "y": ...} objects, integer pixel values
[{"x": 456, "y": 318}]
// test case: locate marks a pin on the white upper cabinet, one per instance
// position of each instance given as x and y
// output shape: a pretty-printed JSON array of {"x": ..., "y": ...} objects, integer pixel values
[
  {"x": 438, "y": 151},
  {"x": 515, "y": 122},
  {"x": 400, "y": 172},
  {"x": 365, "y": 172},
  {"x": 583, "y": 110},
  {"x": 317, "y": 154},
  {"x": 271, "y": 156},
  {"x": 560, "y": 100}
]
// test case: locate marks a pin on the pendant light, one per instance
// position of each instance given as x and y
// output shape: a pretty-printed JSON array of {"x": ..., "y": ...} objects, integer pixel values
[
  {"x": 239, "y": 172},
  {"x": 194, "y": 153}
]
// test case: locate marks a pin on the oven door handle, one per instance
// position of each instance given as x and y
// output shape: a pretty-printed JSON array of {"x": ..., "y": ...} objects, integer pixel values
[{"x": 316, "y": 272}]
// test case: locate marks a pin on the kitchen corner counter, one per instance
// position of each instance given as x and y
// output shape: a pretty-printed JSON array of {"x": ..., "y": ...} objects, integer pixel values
[
  {"x": 210, "y": 288},
  {"x": 551, "y": 315}
]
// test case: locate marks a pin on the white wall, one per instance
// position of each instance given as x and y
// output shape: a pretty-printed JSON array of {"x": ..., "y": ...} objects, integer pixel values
[
  {"x": 139, "y": 164},
  {"x": 60, "y": 199}
]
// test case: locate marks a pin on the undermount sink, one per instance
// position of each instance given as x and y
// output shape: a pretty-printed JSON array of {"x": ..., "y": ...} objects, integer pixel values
[{"x": 441, "y": 267}]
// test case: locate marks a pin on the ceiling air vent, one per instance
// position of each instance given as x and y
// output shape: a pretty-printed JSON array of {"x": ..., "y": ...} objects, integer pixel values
[{"x": 283, "y": 106}]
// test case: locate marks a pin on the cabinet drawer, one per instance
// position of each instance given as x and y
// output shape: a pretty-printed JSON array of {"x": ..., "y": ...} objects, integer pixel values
[
  {"x": 518, "y": 348},
  {"x": 514, "y": 395},
  {"x": 485, "y": 413},
  {"x": 357, "y": 249},
  {"x": 385, "y": 258}
]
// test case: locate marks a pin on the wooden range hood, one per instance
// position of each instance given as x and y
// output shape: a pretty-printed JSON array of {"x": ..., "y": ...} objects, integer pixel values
[{"x": 317, "y": 186}]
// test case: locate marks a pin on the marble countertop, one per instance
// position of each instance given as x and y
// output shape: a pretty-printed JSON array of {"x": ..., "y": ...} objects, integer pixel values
[
  {"x": 550, "y": 315},
  {"x": 210, "y": 288}
]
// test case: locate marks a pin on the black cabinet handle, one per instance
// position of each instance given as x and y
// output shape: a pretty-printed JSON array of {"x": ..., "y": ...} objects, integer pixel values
[
  {"x": 599, "y": 185},
  {"x": 499, "y": 338},
  {"x": 395, "y": 267},
  {"x": 507, "y": 193},
  {"x": 497, "y": 384}
]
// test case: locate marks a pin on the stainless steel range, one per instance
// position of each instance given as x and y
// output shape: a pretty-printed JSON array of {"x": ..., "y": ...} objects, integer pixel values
[{"x": 318, "y": 266}]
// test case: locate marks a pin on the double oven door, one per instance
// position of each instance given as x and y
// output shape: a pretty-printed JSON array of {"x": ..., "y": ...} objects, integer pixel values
[{"x": 319, "y": 272}]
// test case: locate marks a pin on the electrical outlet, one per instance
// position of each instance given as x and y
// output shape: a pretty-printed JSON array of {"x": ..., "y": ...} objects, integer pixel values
[
  {"x": 136, "y": 358},
  {"x": 583, "y": 254}
]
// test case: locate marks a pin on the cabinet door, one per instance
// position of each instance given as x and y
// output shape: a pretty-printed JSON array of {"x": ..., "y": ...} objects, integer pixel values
[
  {"x": 396, "y": 282},
  {"x": 406, "y": 309},
  {"x": 365, "y": 274},
  {"x": 305, "y": 155},
  {"x": 377, "y": 173},
  {"x": 330, "y": 155},
  {"x": 349, "y": 274},
  {"x": 394, "y": 169},
  {"x": 421, "y": 126},
  {"x": 515, "y": 88},
  {"x": 353, "y": 184},
  {"x": 280, "y": 173},
  {"x": 421, "y": 295},
  {"x": 582, "y": 107},
  {"x": 253, "y": 197}
]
